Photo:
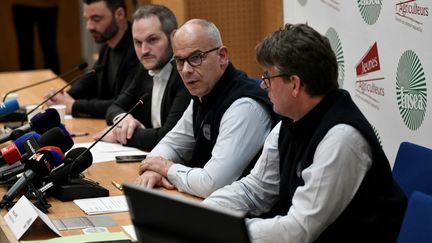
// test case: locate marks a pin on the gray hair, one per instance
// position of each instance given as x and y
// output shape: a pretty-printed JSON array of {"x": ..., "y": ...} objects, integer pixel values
[{"x": 166, "y": 16}]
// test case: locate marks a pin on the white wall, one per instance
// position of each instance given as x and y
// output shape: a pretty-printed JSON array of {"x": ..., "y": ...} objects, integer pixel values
[{"x": 389, "y": 81}]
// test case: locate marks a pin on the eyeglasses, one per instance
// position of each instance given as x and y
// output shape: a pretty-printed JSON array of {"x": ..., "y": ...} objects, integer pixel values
[
  {"x": 267, "y": 79},
  {"x": 194, "y": 60}
]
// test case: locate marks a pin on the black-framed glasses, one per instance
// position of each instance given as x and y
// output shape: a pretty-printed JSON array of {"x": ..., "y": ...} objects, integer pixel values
[
  {"x": 194, "y": 59},
  {"x": 267, "y": 79}
]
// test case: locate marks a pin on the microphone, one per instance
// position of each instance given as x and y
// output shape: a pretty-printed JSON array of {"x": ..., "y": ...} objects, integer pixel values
[
  {"x": 82, "y": 66},
  {"x": 13, "y": 151},
  {"x": 8, "y": 107},
  {"x": 79, "y": 77},
  {"x": 77, "y": 189},
  {"x": 53, "y": 137},
  {"x": 41, "y": 122},
  {"x": 38, "y": 165}
]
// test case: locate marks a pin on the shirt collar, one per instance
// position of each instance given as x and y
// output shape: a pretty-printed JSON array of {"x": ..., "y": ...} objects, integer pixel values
[{"x": 163, "y": 74}]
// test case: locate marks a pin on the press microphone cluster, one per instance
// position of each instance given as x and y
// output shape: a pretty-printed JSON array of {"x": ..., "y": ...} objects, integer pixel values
[
  {"x": 82, "y": 66},
  {"x": 66, "y": 185}
]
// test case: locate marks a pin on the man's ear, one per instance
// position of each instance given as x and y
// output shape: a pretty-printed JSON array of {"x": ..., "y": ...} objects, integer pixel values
[
  {"x": 296, "y": 83},
  {"x": 223, "y": 54},
  {"x": 120, "y": 13}
]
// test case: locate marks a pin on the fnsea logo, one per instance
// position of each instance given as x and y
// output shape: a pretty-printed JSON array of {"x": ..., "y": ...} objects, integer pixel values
[
  {"x": 411, "y": 90},
  {"x": 370, "y": 10},
  {"x": 412, "y": 13},
  {"x": 302, "y": 2},
  {"x": 334, "y": 4},
  {"x": 336, "y": 46},
  {"x": 368, "y": 87}
]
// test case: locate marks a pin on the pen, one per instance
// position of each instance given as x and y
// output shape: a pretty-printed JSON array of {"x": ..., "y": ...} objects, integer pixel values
[
  {"x": 79, "y": 134},
  {"x": 118, "y": 186}
]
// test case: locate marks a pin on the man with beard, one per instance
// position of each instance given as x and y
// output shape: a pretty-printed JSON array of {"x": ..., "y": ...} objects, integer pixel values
[
  {"x": 91, "y": 96},
  {"x": 157, "y": 77}
]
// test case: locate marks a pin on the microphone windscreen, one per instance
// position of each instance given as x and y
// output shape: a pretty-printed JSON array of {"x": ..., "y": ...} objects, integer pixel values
[
  {"x": 73, "y": 165},
  {"x": 43, "y": 121},
  {"x": 8, "y": 107},
  {"x": 41, "y": 163},
  {"x": 19, "y": 142},
  {"x": 55, "y": 152},
  {"x": 82, "y": 66},
  {"x": 67, "y": 141}
]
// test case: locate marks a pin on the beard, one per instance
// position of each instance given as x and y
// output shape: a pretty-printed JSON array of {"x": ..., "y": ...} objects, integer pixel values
[{"x": 109, "y": 32}]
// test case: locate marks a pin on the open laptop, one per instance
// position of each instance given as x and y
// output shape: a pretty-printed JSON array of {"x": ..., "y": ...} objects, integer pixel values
[{"x": 160, "y": 217}]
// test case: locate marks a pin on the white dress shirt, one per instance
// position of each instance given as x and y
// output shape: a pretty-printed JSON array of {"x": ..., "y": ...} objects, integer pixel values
[
  {"x": 340, "y": 163},
  {"x": 160, "y": 81},
  {"x": 243, "y": 129}
]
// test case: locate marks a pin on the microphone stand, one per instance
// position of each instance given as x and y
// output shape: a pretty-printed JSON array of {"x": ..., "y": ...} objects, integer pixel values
[{"x": 79, "y": 188}]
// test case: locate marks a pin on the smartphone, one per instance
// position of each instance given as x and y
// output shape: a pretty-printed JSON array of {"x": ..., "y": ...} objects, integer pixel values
[{"x": 130, "y": 158}]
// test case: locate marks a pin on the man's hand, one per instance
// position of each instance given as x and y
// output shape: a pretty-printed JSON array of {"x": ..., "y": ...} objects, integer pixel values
[
  {"x": 151, "y": 179},
  {"x": 126, "y": 128},
  {"x": 62, "y": 98},
  {"x": 110, "y": 137},
  {"x": 156, "y": 164}
]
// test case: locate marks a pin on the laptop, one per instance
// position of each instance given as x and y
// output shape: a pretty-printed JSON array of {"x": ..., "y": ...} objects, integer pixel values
[{"x": 158, "y": 216}]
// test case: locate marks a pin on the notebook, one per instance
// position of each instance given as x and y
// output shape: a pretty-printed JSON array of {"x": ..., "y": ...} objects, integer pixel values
[{"x": 158, "y": 216}]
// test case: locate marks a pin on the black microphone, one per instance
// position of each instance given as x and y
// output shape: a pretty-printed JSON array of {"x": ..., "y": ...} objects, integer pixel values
[
  {"x": 82, "y": 66},
  {"x": 79, "y": 77},
  {"x": 38, "y": 165},
  {"x": 40, "y": 123},
  {"x": 81, "y": 188}
]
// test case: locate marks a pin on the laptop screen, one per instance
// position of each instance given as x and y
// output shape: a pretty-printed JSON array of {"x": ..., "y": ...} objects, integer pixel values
[{"x": 158, "y": 216}]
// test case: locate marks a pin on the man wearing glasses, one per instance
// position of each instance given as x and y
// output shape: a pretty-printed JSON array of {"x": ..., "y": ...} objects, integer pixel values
[
  {"x": 322, "y": 175},
  {"x": 224, "y": 127}
]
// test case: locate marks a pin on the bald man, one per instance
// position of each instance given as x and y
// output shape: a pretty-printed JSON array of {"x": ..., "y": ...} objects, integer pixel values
[{"x": 224, "y": 126}]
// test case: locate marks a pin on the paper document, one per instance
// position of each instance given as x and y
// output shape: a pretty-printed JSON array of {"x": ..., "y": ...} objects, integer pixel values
[
  {"x": 100, "y": 205},
  {"x": 104, "y": 151},
  {"x": 97, "y": 237}
]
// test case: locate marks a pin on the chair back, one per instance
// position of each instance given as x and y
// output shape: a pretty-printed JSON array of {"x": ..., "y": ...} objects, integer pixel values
[
  {"x": 417, "y": 224},
  {"x": 413, "y": 168}
]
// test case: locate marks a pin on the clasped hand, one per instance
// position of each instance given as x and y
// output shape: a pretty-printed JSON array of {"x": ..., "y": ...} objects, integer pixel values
[{"x": 153, "y": 172}]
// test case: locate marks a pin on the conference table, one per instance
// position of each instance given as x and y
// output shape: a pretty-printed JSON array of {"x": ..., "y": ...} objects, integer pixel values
[{"x": 103, "y": 173}]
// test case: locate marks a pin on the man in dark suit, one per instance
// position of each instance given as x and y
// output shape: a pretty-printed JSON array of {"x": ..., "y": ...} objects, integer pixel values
[
  {"x": 157, "y": 77},
  {"x": 91, "y": 96}
]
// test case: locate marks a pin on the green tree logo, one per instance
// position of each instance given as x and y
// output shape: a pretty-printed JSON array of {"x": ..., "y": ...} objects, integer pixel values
[
  {"x": 370, "y": 10},
  {"x": 411, "y": 90},
  {"x": 336, "y": 46}
]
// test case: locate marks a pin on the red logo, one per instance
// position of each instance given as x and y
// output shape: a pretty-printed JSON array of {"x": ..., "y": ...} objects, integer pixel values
[{"x": 369, "y": 62}]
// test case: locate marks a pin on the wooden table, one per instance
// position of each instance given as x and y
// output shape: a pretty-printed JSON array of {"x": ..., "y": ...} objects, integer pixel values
[{"x": 103, "y": 173}]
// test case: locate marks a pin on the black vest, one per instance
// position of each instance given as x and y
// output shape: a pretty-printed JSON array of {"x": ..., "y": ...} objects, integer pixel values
[
  {"x": 208, "y": 112},
  {"x": 377, "y": 209}
]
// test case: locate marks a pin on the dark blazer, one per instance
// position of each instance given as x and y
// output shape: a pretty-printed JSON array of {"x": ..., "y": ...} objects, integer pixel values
[
  {"x": 175, "y": 100},
  {"x": 93, "y": 94}
]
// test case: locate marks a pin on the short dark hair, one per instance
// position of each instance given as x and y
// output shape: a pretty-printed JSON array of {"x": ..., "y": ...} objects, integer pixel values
[
  {"x": 113, "y": 5},
  {"x": 166, "y": 16},
  {"x": 299, "y": 49}
]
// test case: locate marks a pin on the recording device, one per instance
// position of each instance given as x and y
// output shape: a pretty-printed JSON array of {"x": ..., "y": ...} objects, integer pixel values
[
  {"x": 13, "y": 151},
  {"x": 8, "y": 107},
  {"x": 82, "y": 66},
  {"x": 79, "y": 77},
  {"x": 54, "y": 137},
  {"x": 37, "y": 166},
  {"x": 75, "y": 188},
  {"x": 130, "y": 158},
  {"x": 39, "y": 123}
]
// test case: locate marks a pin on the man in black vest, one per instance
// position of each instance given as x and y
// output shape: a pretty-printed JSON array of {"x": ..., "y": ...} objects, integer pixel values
[
  {"x": 322, "y": 175},
  {"x": 223, "y": 128},
  {"x": 157, "y": 76},
  {"x": 90, "y": 97}
]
